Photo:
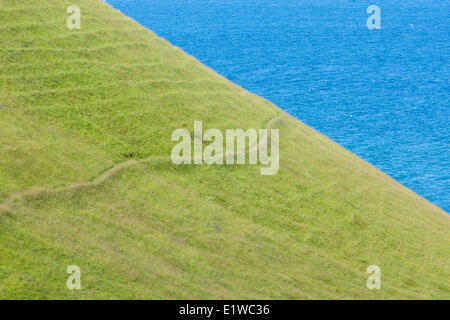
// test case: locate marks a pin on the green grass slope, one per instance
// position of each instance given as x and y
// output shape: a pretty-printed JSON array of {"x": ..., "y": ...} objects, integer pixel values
[{"x": 85, "y": 179}]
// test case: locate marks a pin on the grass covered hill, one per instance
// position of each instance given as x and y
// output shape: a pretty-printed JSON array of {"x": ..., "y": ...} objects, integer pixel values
[{"x": 86, "y": 179}]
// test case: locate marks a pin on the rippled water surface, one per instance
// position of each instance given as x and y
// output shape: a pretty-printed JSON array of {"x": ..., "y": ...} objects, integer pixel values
[{"x": 383, "y": 94}]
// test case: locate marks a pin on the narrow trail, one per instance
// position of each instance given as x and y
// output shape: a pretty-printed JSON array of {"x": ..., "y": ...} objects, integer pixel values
[{"x": 37, "y": 191}]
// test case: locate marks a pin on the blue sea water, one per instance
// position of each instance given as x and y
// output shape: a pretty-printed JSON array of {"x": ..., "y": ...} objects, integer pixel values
[{"x": 382, "y": 94}]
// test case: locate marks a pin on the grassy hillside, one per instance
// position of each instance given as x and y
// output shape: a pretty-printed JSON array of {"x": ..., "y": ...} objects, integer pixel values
[{"x": 85, "y": 179}]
